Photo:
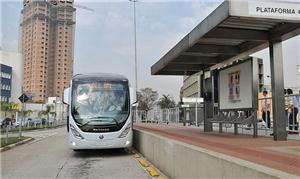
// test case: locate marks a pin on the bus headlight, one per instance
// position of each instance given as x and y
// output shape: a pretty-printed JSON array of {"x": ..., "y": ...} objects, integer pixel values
[
  {"x": 75, "y": 132},
  {"x": 126, "y": 131}
]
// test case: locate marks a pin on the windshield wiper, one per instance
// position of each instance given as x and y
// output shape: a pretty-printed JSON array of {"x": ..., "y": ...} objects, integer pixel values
[
  {"x": 75, "y": 110},
  {"x": 100, "y": 117}
]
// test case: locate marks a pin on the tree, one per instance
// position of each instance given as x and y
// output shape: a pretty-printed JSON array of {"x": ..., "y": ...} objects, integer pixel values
[
  {"x": 147, "y": 98},
  {"x": 166, "y": 101},
  {"x": 26, "y": 112},
  {"x": 47, "y": 111},
  {"x": 5, "y": 107},
  {"x": 8, "y": 107}
]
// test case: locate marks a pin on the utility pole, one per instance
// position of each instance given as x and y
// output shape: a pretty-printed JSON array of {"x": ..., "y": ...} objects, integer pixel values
[
  {"x": 298, "y": 68},
  {"x": 135, "y": 50},
  {"x": 135, "y": 56}
]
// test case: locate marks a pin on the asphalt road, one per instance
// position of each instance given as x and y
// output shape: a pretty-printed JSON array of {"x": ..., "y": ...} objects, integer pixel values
[{"x": 49, "y": 157}]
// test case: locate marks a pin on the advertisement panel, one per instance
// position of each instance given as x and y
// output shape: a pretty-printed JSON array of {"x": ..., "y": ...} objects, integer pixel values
[{"x": 235, "y": 86}]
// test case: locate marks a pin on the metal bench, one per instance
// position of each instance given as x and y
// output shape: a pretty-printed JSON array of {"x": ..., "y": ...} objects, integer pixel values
[{"x": 232, "y": 117}]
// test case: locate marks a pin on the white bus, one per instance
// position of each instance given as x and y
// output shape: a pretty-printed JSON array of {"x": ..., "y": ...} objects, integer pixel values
[{"x": 99, "y": 111}]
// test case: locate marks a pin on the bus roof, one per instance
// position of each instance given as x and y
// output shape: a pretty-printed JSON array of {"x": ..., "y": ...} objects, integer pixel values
[{"x": 100, "y": 77}]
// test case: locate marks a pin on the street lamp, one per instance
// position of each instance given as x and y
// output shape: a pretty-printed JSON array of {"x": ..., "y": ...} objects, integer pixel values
[
  {"x": 298, "y": 68},
  {"x": 135, "y": 55}
]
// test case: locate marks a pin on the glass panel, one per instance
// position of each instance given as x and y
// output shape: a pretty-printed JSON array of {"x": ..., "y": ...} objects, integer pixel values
[{"x": 100, "y": 103}]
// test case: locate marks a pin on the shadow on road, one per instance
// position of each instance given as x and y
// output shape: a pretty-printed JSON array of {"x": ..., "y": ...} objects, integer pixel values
[{"x": 100, "y": 153}]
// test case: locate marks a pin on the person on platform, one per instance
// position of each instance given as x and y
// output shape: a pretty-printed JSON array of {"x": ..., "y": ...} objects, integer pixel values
[
  {"x": 266, "y": 106},
  {"x": 293, "y": 107}
]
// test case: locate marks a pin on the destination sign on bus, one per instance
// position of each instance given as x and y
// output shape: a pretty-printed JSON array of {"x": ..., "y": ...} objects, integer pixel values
[{"x": 98, "y": 85}]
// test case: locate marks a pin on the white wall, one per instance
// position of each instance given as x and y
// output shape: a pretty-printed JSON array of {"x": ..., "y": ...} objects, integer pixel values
[{"x": 61, "y": 109}]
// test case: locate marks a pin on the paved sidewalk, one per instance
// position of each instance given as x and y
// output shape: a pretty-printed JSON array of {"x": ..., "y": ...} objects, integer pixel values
[{"x": 281, "y": 155}]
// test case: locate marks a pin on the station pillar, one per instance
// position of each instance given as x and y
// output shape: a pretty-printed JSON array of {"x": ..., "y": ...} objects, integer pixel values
[
  {"x": 277, "y": 83},
  {"x": 208, "y": 100}
]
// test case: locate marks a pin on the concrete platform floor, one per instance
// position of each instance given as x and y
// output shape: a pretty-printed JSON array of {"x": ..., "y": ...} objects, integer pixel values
[{"x": 281, "y": 155}]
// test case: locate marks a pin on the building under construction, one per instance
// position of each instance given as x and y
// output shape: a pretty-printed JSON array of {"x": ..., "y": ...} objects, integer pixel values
[{"x": 47, "y": 43}]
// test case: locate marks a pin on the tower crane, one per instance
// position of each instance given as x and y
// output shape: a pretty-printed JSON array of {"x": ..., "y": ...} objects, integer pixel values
[{"x": 83, "y": 7}]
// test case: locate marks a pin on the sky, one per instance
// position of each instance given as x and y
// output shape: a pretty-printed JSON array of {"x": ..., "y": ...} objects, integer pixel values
[{"x": 104, "y": 38}]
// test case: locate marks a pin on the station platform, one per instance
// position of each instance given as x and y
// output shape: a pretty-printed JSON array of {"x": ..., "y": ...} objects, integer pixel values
[{"x": 280, "y": 155}]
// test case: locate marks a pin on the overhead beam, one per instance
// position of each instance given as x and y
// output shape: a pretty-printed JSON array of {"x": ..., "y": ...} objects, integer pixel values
[
  {"x": 184, "y": 67},
  {"x": 214, "y": 49},
  {"x": 284, "y": 31},
  {"x": 198, "y": 54},
  {"x": 193, "y": 62},
  {"x": 169, "y": 56},
  {"x": 248, "y": 45},
  {"x": 238, "y": 34},
  {"x": 183, "y": 59},
  {"x": 177, "y": 72},
  {"x": 224, "y": 57}
]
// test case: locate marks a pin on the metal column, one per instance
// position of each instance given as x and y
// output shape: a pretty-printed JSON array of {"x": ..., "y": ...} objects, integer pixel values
[
  {"x": 278, "y": 101},
  {"x": 255, "y": 86},
  {"x": 208, "y": 103}
]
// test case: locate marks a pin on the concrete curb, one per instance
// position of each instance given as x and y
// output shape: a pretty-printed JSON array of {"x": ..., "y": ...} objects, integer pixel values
[
  {"x": 16, "y": 144},
  {"x": 162, "y": 152}
]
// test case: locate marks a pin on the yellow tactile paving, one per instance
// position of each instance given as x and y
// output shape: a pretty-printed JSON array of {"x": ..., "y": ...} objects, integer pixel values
[
  {"x": 136, "y": 156},
  {"x": 144, "y": 163},
  {"x": 152, "y": 171}
]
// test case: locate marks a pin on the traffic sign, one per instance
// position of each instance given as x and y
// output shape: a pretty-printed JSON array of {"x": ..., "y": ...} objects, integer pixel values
[
  {"x": 192, "y": 100},
  {"x": 23, "y": 98},
  {"x": 185, "y": 105}
]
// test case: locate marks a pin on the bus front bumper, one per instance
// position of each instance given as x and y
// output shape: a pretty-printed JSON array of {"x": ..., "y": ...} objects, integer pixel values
[{"x": 125, "y": 142}]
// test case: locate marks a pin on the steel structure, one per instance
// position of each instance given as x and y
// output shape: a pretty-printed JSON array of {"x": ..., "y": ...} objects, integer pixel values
[{"x": 233, "y": 31}]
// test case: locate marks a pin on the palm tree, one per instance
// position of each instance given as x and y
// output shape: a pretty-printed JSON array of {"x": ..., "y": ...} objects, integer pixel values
[
  {"x": 5, "y": 107},
  {"x": 8, "y": 107},
  {"x": 47, "y": 111},
  {"x": 26, "y": 112},
  {"x": 166, "y": 101}
]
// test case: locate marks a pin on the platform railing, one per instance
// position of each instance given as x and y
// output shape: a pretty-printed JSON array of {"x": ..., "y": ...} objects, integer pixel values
[
  {"x": 186, "y": 117},
  {"x": 291, "y": 113}
]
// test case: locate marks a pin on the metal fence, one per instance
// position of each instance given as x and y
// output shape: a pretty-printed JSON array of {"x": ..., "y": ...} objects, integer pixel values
[
  {"x": 13, "y": 130},
  {"x": 187, "y": 116},
  {"x": 163, "y": 116},
  {"x": 291, "y": 113}
]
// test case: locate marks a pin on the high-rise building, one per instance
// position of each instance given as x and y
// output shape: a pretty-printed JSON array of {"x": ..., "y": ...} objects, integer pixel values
[{"x": 47, "y": 41}]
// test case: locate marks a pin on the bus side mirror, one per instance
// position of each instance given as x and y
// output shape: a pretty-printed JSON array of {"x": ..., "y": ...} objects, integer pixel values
[
  {"x": 132, "y": 96},
  {"x": 67, "y": 96}
]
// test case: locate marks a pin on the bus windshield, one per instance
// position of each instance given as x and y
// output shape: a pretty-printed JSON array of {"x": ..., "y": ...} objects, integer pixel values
[{"x": 99, "y": 103}]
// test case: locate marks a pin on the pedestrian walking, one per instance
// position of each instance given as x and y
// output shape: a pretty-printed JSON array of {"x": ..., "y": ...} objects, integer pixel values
[
  {"x": 266, "y": 106},
  {"x": 293, "y": 108},
  {"x": 286, "y": 107}
]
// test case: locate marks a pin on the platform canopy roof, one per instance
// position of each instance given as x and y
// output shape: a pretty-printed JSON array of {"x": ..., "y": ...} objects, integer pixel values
[{"x": 234, "y": 30}]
